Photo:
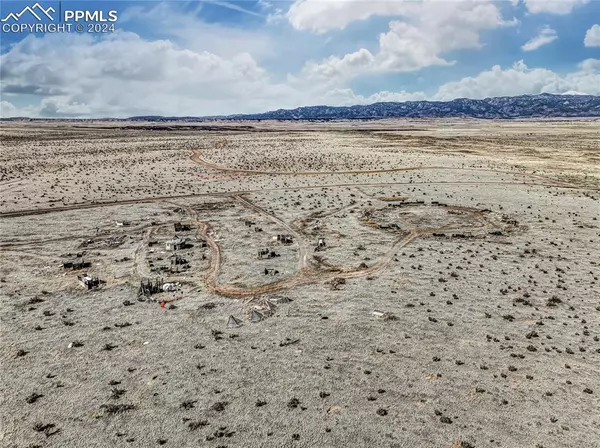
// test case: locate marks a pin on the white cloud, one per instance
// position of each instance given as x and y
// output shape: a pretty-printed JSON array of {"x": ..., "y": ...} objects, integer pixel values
[
  {"x": 592, "y": 37},
  {"x": 558, "y": 7},
  {"x": 516, "y": 80},
  {"x": 325, "y": 15},
  {"x": 274, "y": 14},
  {"x": 7, "y": 109},
  {"x": 408, "y": 48},
  {"x": 429, "y": 30},
  {"x": 546, "y": 36},
  {"x": 519, "y": 80},
  {"x": 346, "y": 97},
  {"x": 276, "y": 17},
  {"x": 334, "y": 68},
  {"x": 121, "y": 74}
]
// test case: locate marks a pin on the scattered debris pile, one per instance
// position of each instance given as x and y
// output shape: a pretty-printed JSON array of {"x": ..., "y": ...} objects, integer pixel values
[
  {"x": 178, "y": 263},
  {"x": 233, "y": 322},
  {"x": 393, "y": 198},
  {"x": 336, "y": 282},
  {"x": 150, "y": 286},
  {"x": 267, "y": 253},
  {"x": 321, "y": 245},
  {"x": 89, "y": 281},
  {"x": 175, "y": 243},
  {"x": 179, "y": 227},
  {"x": 284, "y": 239},
  {"x": 76, "y": 263}
]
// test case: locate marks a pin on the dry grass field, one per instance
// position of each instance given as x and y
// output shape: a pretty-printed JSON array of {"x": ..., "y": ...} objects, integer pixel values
[{"x": 400, "y": 283}]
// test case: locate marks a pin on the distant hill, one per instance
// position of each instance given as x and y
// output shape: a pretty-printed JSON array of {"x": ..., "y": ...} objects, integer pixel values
[
  {"x": 546, "y": 105},
  {"x": 524, "y": 106}
]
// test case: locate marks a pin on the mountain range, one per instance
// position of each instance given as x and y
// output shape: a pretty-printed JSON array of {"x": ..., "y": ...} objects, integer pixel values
[
  {"x": 569, "y": 105},
  {"x": 524, "y": 106}
]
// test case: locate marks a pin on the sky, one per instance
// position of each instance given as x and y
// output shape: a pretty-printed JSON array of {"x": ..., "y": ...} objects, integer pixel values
[{"x": 217, "y": 57}]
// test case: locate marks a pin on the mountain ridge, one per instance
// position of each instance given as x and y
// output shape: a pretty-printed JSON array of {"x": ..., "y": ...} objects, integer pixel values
[
  {"x": 522, "y": 106},
  {"x": 545, "y": 105}
]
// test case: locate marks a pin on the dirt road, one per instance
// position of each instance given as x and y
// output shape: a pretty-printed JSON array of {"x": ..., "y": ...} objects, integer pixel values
[{"x": 196, "y": 158}]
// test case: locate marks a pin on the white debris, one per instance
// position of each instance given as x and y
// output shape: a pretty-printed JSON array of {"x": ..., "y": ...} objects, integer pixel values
[
  {"x": 233, "y": 322},
  {"x": 256, "y": 316}
]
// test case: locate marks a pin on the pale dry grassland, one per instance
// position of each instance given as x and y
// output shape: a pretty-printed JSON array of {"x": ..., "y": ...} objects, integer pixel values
[{"x": 456, "y": 302}]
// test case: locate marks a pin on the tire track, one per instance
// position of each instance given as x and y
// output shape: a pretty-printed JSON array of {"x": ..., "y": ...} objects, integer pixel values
[
  {"x": 196, "y": 158},
  {"x": 302, "y": 244}
]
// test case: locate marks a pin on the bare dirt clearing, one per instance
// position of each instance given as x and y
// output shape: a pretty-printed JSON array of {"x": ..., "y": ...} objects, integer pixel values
[{"x": 422, "y": 283}]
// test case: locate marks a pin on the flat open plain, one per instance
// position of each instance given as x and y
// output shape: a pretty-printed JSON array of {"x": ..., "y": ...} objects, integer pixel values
[{"x": 435, "y": 283}]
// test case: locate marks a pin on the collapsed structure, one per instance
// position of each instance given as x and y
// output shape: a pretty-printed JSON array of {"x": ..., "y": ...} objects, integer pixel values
[
  {"x": 284, "y": 239},
  {"x": 266, "y": 253},
  {"x": 180, "y": 227},
  {"x": 175, "y": 243},
  {"x": 321, "y": 245},
  {"x": 76, "y": 264},
  {"x": 150, "y": 286},
  {"x": 88, "y": 281}
]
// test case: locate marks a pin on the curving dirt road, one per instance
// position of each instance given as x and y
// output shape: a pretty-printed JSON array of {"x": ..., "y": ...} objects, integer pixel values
[
  {"x": 305, "y": 274},
  {"x": 147, "y": 200},
  {"x": 308, "y": 275},
  {"x": 301, "y": 241},
  {"x": 196, "y": 158}
]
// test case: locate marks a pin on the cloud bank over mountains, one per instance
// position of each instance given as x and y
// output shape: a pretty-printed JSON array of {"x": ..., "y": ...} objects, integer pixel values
[{"x": 177, "y": 68}]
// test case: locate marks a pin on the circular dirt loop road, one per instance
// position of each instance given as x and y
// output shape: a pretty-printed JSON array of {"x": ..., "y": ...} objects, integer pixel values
[{"x": 306, "y": 274}]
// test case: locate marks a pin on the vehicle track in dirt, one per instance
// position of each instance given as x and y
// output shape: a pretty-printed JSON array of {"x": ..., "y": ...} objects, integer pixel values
[
  {"x": 104, "y": 233},
  {"x": 300, "y": 239},
  {"x": 196, "y": 157},
  {"x": 149, "y": 200},
  {"x": 305, "y": 274},
  {"x": 308, "y": 275}
]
